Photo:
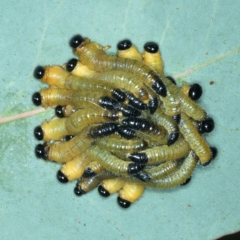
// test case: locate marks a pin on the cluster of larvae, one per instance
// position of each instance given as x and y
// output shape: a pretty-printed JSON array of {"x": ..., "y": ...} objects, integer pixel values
[{"x": 120, "y": 124}]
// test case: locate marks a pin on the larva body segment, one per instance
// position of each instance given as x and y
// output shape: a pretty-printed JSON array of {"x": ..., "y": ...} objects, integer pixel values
[
  {"x": 85, "y": 117},
  {"x": 191, "y": 108},
  {"x": 65, "y": 151},
  {"x": 168, "y": 123},
  {"x": 116, "y": 145},
  {"x": 162, "y": 153},
  {"x": 113, "y": 185},
  {"x": 87, "y": 184},
  {"x": 55, "y": 96},
  {"x": 93, "y": 168},
  {"x": 131, "y": 191},
  {"x": 179, "y": 176},
  {"x": 54, "y": 129},
  {"x": 77, "y": 68},
  {"x": 112, "y": 163},
  {"x": 74, "y": 169},
  {"x": 58, "y": 128},
  {"x": 162, "y": 170},
  {"x": 93, "y": 56},
  {"x": 194, "y": 139}
]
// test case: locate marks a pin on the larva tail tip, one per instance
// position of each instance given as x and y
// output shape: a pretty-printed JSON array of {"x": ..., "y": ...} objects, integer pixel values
[
  {"x": 123, "y": 203},
  {"x": 61, "y": 177},
  {"x": 195, "y": 92},
  {"x": 103, "y": 192},
  {"x": 78, "y": 191},
  {"x": 76, "y": 41},
  {"x": 71, "y": 64},
  {"x": 151, "y": 47},
  {"x": 124, "y": 45},
  {"x": 37, "y": 99},
  {"x": 38, "y": 133},
  {"x": 39, "y": 72}
]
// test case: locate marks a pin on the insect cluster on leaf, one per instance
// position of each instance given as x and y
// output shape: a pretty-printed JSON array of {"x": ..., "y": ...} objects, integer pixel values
[{"x": 120, "y": 124}]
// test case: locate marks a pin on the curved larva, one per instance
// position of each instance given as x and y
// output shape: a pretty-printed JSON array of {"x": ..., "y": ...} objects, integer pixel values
[
  {"x": 163, "y": 170},
  {"x": 65, "y": 151},
  {"x": 168, "y": 123},
  {"x": 179, "y": 176},
  {"x": 93, "y": 56},
  {"x": 58, "y": 128},
  {"x": 194, "y": 139},
  {"x": 74, "y": 169},
  {"x": 162, "y": 153},
  {"x": 113, "y": 163}
]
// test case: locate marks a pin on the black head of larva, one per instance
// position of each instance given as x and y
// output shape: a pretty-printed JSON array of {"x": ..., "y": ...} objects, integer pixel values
[
  {"x": 103, "y": 192},
  {"x": 68, "y": 137},
  {"x": 173, "y": 137},
  {"x": 139, "y": 158},
  {"x": 195, "y": 92},
  {"x": 187, "y": 181},
  {"x": 136, "y": 102},
  {"x": 71, "y": 64},
  {"x": 37, "y": 99},
  {"x": 177, "y": 118},
  {"x": 214, "y": 152},
  {"x": 129, "y": 111},
  {"x": 153, "y": 105},
  {"x": 119, "y": 95},
  {"x": 159, "y": 87},
  {"x": 61, "y": 177},
  {"x": 39, "y": 72},
  {"x": 206, "y": 126},
  {"x": 76, "y": 41},
  {"x": 40, "y": 151},
  {"x": 59, "y": 111},
  {"x": 124, "y": 44},
  {"x": 126, "y": 132},
  {"x": 151, "y": 47},
  {"x": 123, "y": 203},
  {"x": 134, "y": 168},
  {"x": 78, "y": 191},
  {"x": 143, "y": 176},
  {"x": 38, "y": 133}
]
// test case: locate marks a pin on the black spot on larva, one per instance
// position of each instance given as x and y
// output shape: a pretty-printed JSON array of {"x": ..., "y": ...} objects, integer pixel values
[
  {"x": 103, "y": 192},
  {"x": 76, "y": 41},
  {"x": 39, "y": 72},
  {"x": 124, "y": 44},
  {"x": 123, "y": 203},
  {"x": 71, "y": 64}
]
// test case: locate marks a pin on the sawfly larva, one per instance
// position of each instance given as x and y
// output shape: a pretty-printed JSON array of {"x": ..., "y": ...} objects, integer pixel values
[
  {"x": 73, "y": 169},
  {"x": 178, "y": 177},
  {"x": 114, "y": 164},
  {"x": 64, "y": 151},
  {"x": 93, "y": 56},
  {"x": 194, "y": 139},
  {"x": 162, "y": 153}
]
